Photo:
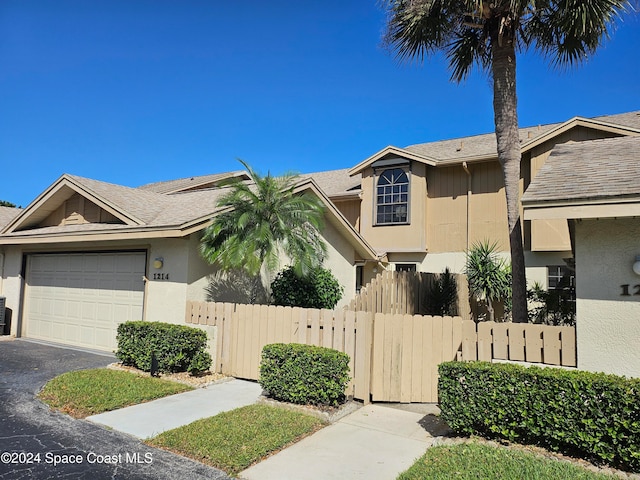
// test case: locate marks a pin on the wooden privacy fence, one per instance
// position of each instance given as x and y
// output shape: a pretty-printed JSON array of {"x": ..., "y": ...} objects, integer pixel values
[
  {"x": 524, "y": 342},
  {"x": 405, "y": 293},
  {"x": 393, "y": 357}
]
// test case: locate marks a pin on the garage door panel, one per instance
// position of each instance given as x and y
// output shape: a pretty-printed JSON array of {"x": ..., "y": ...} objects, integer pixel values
[
  {"x": 74, "y": 310},
  {"x": 80, "y": 299},
  {"x": 87, "y": 336},
  {"x": 106, "y": 265},
  {"x": 59, "y": 308},
  {"x": 90, "y": 263}
]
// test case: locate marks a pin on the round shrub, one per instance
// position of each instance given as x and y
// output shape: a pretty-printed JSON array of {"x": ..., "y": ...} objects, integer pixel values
[
  {"x": 304, "y": 374},
  {"x": 173, "y": 346},
  {"x": 320, "y": 289}
]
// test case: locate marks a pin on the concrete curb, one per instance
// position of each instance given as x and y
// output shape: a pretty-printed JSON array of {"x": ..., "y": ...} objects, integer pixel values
[{"x": 327, "y": 416}]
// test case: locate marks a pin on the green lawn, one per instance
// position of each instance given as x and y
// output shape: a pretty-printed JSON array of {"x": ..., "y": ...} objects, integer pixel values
[
  {"x": 88, "y": 392},
  {"x": 232, "y": 441},
  {"x": 480, "y": 461}
]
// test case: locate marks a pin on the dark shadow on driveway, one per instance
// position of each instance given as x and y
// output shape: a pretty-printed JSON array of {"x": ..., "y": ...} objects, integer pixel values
[{"x": 33, "y": 438}]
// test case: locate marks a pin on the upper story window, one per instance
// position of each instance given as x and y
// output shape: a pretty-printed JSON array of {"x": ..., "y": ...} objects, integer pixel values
[{"x": 392, "y": 199}]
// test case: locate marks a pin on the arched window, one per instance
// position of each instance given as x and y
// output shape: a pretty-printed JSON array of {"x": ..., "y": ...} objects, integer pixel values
[{"x": 392, "y": 200}]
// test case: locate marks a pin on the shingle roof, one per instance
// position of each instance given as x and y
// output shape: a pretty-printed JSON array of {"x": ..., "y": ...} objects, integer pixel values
[
  {"x": 480, "y": 145},
  {"x": 190, "y": 183},
  {"x": 588, "y": 170},
  {"x": 7, "y": 214},
  {"x": 336, "y": 182}
]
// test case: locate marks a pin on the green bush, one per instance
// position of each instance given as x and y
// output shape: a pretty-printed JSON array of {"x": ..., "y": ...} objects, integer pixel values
[
  {"x": 556, "y": 306},
  {"x": 201, "y": 362},
  {"x": 177, "y": 348},
  {"x": 304, "y": 374},
  {"x": 319, "y": 289},
  {"x": 591, "y": 415},
  {"x": 442, "y": 295}
]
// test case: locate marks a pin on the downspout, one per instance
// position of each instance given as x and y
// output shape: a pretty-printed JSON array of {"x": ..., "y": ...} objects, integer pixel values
[{"x": 468, "y": 172}]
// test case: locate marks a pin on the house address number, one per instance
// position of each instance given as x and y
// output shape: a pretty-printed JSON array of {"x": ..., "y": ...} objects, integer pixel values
[
  {"x": 161, "y": 276},
  {"x": 626, "y": 290}
]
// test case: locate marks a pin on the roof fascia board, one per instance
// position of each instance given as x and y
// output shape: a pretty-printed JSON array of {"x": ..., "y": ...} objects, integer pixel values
[
  {"x": 345, "y": 197},
  {"x": 473, "y": 159},
  {"x": 560, "y": 202},
  {"x": 81, "y": 237},
  {"x": 391, "y": 150},
  {"x": 582, "y": 210}
]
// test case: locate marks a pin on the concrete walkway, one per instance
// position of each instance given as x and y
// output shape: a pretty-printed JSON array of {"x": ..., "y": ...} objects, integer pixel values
[
  {"x": 152, "y": 418},
  {"x": 376, "y": 443}
]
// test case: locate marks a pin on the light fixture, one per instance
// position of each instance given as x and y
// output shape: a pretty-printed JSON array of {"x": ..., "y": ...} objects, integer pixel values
[
  {"x": 636, "y": 265},
  {"x": 158, "y": 263}
]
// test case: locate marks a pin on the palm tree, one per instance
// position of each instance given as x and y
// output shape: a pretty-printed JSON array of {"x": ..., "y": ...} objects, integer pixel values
[
  {"x": 488, "y": 35},
  {"x": 261, "y": 220}
]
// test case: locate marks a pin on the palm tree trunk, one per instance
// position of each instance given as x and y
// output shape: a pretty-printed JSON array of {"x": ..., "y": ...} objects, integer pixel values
[
  {"x": 255, "y": 289},
  {"x": 509, "y": 155}
]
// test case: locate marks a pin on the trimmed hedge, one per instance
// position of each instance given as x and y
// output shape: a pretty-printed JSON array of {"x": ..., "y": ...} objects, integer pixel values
[
  {"x": 304, "y": 374},
  {"x": 320, "y": 289},
  {"x": 591, "y": 415},
  {"x": 177, "y": 348}
]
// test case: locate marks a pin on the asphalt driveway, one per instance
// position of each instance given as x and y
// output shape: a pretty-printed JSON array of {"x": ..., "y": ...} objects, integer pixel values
[{"x": 38, "y": 443}]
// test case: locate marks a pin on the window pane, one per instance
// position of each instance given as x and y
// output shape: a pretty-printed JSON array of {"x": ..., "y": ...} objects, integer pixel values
[{"x": 392, "y": 196}]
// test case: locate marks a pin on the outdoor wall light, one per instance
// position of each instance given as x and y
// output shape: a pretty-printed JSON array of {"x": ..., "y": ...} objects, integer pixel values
[
  {"x": 636, "y": 265},
  {"x": 158, "y": 263}
]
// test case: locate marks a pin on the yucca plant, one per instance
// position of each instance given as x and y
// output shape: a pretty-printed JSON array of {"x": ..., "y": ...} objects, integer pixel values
[{"x": 488, "y": 274}]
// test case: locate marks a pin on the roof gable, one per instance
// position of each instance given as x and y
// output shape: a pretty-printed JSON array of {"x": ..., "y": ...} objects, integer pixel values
[
  {"x": 390, "y": 152},
  {"x": 99, "y": 202}
]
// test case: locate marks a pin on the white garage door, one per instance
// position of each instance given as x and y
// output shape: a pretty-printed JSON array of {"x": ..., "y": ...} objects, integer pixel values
[{"x": 81, "y": 298}]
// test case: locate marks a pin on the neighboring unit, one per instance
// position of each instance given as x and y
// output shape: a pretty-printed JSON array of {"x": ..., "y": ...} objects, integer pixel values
[{"x": 594, "y": 188}]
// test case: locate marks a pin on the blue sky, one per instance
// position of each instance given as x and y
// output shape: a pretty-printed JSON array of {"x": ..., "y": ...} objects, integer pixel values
[{"x": 135, "y": 91}]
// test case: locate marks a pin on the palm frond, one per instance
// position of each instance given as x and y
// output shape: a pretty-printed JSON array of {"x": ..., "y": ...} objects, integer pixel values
[
  {"x": 568, "y": 32},
  {"x": 469, "y": 47},
  {"x": 418, "y": 28}
]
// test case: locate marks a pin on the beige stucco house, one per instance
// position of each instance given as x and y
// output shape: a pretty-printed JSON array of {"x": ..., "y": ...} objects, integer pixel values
[
  {"x": 86, "y": 255},
  {"x": 594, "y": 188}
]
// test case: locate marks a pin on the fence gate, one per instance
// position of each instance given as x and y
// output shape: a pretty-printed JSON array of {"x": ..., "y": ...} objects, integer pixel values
[{"x": 406, "y": 352}]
